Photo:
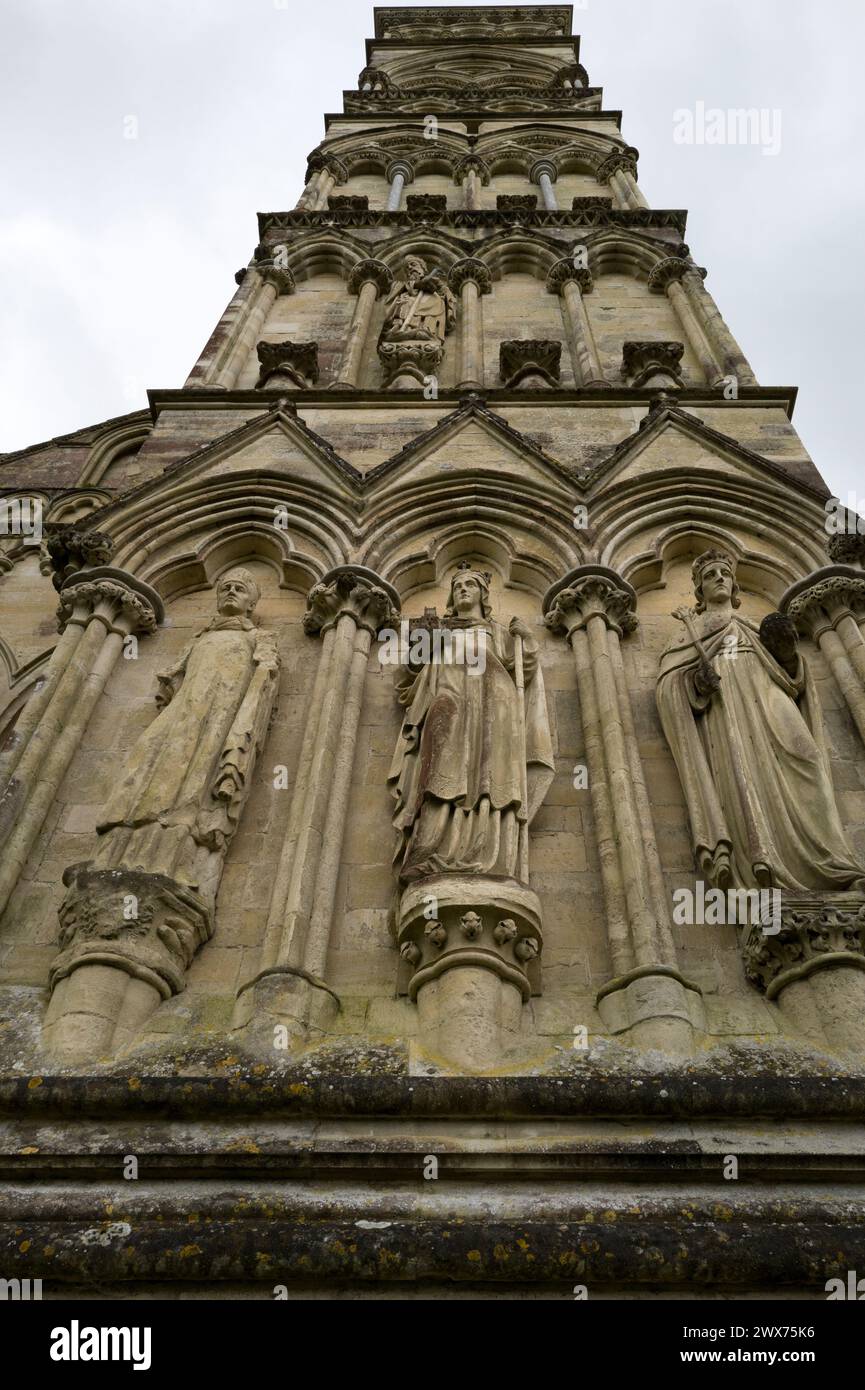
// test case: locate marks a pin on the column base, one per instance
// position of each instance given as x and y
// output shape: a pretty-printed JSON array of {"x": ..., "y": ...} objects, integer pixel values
[
  {"x": 282, "y": 1010},
  {"x": 653, "y": 1007}
]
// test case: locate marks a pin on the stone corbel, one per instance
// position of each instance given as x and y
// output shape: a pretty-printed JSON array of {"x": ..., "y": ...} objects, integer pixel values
[
  {"x": 829, "y": 607},
  {"x": 470, "y": 279},
  {"x": 530, "y": 363},
  {"x": 648, "y": 998},
  {"x": 287, "y": 365},
  {"x": 571, "y": 282},
  {"x": 652, "y": 363},
  {"x": 345, "y": 611}
]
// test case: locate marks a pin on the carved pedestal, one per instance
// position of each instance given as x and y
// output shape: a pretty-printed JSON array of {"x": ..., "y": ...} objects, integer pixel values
[
  {"x": 470, "y": 956},
  {"x": 126, "y": 940},
  {"x": 814, "y": 967},
  {"x": 409, "y": 363}
]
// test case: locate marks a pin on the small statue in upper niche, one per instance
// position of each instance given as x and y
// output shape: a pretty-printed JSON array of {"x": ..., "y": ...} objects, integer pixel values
[
  {"x": 740, "y": 711},
  {"x": 419, "y": 312}
]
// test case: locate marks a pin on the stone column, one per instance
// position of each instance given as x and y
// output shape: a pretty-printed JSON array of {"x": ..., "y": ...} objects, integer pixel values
[
  {"x": 346, "y": 610},
  {"x": 332, "y": 173},
  {"x": 829, "y": 606},
  {"x": 666, "y": 277},
  {"x": 545, "y": 173},
  {"x": 470, "y": 279},
  {"x": 619, "y": 170},
  {"x": 571, "y": 282},
  {"x": 307, "y": 198},
  {"x": 239, "y": 328},
  {"x": 106, "y": 605},
  {"x": 398, "y": 173},
  {"x": 721, "y": 340},
  {"x": 647, "y": 997},
  {"x": 368, "y": 279},
  {"x": 471, "y": 172}
]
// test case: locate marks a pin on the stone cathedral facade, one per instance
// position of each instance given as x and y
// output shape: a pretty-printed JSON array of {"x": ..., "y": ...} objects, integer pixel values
[{"x": 433, "y": 751}]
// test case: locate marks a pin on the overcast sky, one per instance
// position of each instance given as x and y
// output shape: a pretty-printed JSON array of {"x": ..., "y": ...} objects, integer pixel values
[{"x": 117, "y": 255}]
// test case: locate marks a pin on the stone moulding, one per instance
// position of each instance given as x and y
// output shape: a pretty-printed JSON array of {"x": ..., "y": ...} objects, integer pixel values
[{"x": 594, "y": 216}]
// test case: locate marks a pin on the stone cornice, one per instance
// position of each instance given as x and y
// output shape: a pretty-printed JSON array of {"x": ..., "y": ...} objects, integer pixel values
[{"x": 596, "y": 216}]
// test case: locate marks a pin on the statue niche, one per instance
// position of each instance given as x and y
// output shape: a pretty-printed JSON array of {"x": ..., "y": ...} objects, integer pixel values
[
  {"x": 741, "y": 715},
  {"x": 471, "y": 768},
  {"x": 419, "y": 313},
  {"x": 141, "y": 907}
]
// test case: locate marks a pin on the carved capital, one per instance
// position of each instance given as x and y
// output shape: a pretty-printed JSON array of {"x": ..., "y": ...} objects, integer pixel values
[
  {"x": 815, "y": 933},
  {"x": 530, "y": 362},
  {"x": 543, "y": 166},
  {"x": 624, "y": 160},
  {"x": 818, "y": 602},
  {"x": 334, "y": 166},
  {"x": 590, "y": 591},
  {"x": 668, "y": 272},
  {"x": 399, "y": 166},
  {"x": 369, "y": 272},
  {"x": 280, "y": 277},
  {"x": 73, "y": 548},
  {"x": 480, "y": 922},
  {"x": 470, "y": 269},
  {"x": 848, "y": 547},
  {"x": 119, "y": 600},
  {"x": 563, "y": 271},
  {"x": 145, "y": 924},
  {"x": 287, "y": 364},
  {"x": 350, "y": 589},
  {"x": 652, "y": 363}
]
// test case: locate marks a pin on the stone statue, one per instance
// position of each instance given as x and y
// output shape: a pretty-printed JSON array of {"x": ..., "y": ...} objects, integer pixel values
[
  {"x": 466, "y": 779},
  {"x": 144, "y": 903},
  {"x": 740, "y": 711},
  {"x": 419, "y": 312}
]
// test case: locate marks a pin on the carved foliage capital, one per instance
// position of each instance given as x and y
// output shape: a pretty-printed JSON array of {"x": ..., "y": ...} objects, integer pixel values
[
  {"x": 593, "y": 596},
  {"x": 848, "y": 548},
  {"x": 279, "y": 276},
  {"x": 834, "y": 594},
  {"x": 351, "y": 593},
  {"x": 370, "y": 272},
  {"x": 624, "y": 160},
  {"x": 72, "y": 548},
  {"x": 470, "y": 269},
  {"x": 287, "y": 364},
  {"x": 652, "y": 363},
  {"x": 667, "y": 272},
  {"x": 814, "y": 933},
  {"x": 565, "y": 271},
  {"x": 115, "y": 599}
]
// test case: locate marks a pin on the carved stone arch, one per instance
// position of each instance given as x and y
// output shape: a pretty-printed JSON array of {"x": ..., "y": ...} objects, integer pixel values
[
  {"x": 518, "y": 251},
  {"x": 75, "y": 506},
  {"x": 124, "y": 437},
  {"x": 506, "y": 158},
  {"x": 612, "y": 251},
  {"x": 236, "y": 544},
  {"x": 439, "y": 251},
  {"x": 323, "y": 253},
  {"x": 430, "y": 563}
]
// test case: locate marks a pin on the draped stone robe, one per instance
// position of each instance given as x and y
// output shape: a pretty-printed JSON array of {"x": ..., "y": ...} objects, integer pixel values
[
  {"x": 179, "y": 799},
  {"x": 456, "y": 771},
  {"x": 753, "y": 765}
]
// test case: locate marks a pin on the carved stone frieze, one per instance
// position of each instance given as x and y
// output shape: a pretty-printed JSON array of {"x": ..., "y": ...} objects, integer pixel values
[
  {"x": 348, "y": 202},
  {"x": 517, "y": 202},
  {"x": 420, "y": 206}
]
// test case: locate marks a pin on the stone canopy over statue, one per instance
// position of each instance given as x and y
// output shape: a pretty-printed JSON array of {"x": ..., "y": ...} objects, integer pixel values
[
  {"x": 419, "y": 312},
  {"x": 740, "y": 711}
]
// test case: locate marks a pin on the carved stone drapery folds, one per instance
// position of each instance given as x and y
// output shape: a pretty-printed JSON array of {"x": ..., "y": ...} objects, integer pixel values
[
  {"x": 829, "y": 607},
  {"x": 287, "y": 366},
  {"x": 99, "y": 608},
  {"x": 346, "y": 610},
  {"x": 530, "y": 362},
  {"x": 135, "y": 913},
  {"x": 471, "y": 767},
  {"x": 571, "y": 282},
  {"x": 741, "y": 714},
  {"x": 420, "y": 311},
  {"x": 593, "y": 607},
  {"x": 652, "y": 363},
  {"x": 470, "y": 279}
]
